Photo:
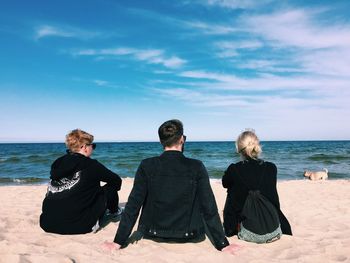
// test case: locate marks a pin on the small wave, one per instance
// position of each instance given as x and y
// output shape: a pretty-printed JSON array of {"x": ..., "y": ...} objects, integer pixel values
[
  {"x": 193, "y": 151},
  {"x": 34, "y": 159},
  {"x": 25, "y": 180},
  {"x": 330, "y": 162},
  {"x": 337, "y": 176},
  {"x": 12, "y": 160},
  {"x": 328, "y": 158},
  {"x": 38, "y": 159}
]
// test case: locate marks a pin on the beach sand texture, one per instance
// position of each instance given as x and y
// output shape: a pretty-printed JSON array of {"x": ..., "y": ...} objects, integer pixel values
[{"x": 319, "y": 213}]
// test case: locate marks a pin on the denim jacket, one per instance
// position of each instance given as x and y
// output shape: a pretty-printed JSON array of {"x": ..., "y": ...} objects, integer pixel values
[{"x": 175, "y": 195}]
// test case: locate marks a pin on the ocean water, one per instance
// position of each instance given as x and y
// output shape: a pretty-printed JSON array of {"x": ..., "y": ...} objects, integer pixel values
[{"x": 28, "y": 163}]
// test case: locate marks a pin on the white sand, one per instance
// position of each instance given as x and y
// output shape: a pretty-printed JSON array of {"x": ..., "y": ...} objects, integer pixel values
[{"x": 319, "y": 213}]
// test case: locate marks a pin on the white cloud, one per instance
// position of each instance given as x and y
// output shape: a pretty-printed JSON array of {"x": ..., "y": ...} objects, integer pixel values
[
  {"x": 44, "y": 31},
  {"x": 291, "y": 41},
  {"x": 252, "y": 44},
  {"x": 151, "y": 56},
  {"x": 328, "y": 62},
  {"x": 236, "y": 4},
  {"x": 228, "y": 53},
  {"x": 63, "y": 31},
  {"x": 275, "y": 114},
  {"x": 273, "y": 97},
  {"x": 210, "y": 29},
  {"x": 209, "y": 75},
  {"x": 201, "y": 99},
  {"x": 297, "y": 28},
  {"x": 268, "y": 82},
  {"x": 318, "y": 47},
  {"x": 232, "y": 48},
  {"x": 99, "y": 82},
  {"x": 85, "y": 52},
  {"x": 273, "y": 66},
  {"x": 173, "y": 62},
  {"x": 304, "y": 42},
  {"x": 162, "y": 72},
  {"x": 116, "y": 51}
]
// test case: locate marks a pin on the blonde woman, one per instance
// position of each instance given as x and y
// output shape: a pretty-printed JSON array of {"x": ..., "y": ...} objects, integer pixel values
[
  {"x": 75, "y": 201},
  {"x": 248, "y": 174}
]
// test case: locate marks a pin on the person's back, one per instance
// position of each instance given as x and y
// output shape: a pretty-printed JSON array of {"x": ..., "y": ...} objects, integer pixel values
[
  {"x": 176, "y": 188},
  {"x": 175, "y": 196},
  {"x": 75, "y": 201},
  {"x": 249, "y": 174}
]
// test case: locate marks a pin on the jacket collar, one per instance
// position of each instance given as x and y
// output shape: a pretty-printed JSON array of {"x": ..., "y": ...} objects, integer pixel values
[{"x": 172, "y": 153}]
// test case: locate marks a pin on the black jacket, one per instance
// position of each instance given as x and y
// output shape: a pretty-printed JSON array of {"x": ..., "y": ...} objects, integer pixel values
[
  {"x": 75, "y": 207},
  {"x": 248, "y": 173},
  {"x": 175, "y": 195}
]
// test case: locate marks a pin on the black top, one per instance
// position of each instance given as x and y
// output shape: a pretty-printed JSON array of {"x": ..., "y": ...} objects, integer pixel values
[
  {"x": 75, "y": 199},
  {"x": 175, "y": 195},
  {"x": 247, "y": 174}
]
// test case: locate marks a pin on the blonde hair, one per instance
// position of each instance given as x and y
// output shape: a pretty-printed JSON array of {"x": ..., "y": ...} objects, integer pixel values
[
  {"x": 78, "y": 138},
  {"x": 248, "y": 145}
]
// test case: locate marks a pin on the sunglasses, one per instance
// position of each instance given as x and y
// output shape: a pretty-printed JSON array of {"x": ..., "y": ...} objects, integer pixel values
[
  {"x": 184, "y": 137},
  {"x": 93, "y": 145}
]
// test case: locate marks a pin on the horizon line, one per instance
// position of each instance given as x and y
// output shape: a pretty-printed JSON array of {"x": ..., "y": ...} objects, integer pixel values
[{"x": 152, "y": 141}]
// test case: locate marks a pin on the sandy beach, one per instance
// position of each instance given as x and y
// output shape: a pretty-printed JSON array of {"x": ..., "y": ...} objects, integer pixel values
[{"x": 319, "y": 213}]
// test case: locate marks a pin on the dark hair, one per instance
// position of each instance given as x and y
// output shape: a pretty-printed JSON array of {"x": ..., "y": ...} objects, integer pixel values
[{"x": 170, "y": 132}]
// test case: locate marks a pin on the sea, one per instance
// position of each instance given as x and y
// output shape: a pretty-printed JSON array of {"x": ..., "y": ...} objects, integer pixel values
[{"x": 29, "y": 163}]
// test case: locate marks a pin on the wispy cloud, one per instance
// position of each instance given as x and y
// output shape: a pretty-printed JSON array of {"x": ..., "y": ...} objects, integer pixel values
[
  {"x": 99, "y": 82},
  {"x": 151, "y": 56},
  {"x": 272, "y": 66},
  {"x": 297, "y": 28},
  {"x": 225, "y": 78},
  {"x": 333, "y": 62},
  {"x": 271, "y": 96},
  {"x": 187, "y": 24},
  {"x": 268, "y": 82},
  {"x": 231, "y": 48},
  {"x": 296, "y": 39},
  {"x": 235, "y": 4},
  {"x": 202, "y": 99},
  {"x": 319, "y": 48},
  {"x": 44, "y": 31},
  {"x": 266, "y": 106},
  {"x": 208, "y": 28}
]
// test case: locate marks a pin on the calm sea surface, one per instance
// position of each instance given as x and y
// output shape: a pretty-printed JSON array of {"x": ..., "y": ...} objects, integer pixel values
[{"x": 27, "y": 163}]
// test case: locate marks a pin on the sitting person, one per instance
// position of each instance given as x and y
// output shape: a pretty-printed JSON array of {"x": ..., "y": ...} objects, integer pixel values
[
  {"x": 249, "y": 172},
  {"x": 75, "y": 201},
  {"x": 175, "y": 196}
]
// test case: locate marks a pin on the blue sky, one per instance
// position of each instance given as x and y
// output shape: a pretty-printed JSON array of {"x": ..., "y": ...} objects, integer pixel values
[{"x": 118, "y": 69}]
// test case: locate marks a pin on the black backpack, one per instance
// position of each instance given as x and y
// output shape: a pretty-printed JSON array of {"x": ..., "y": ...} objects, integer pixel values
[{"x": 260, "y": 222}]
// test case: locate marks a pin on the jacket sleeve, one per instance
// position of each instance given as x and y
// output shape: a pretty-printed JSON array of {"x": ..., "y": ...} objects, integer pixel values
[
  {"x": 227, "y": 179},
  {"x": 108, "y": 176},
  {"x": 272, "y": 194},
  {"x": 210, "y": 211},
  {"x": 285, "y": 226},
  {"x": 132, "y": 208},
  {"x": 233, "y": 203}
]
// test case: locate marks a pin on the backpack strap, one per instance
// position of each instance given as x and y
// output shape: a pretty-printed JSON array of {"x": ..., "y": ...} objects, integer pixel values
[{"x": 262, "y": 174}]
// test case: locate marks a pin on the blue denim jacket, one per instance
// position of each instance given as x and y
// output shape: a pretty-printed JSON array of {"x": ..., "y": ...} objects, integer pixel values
[{"x": 176, "y": 199}]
